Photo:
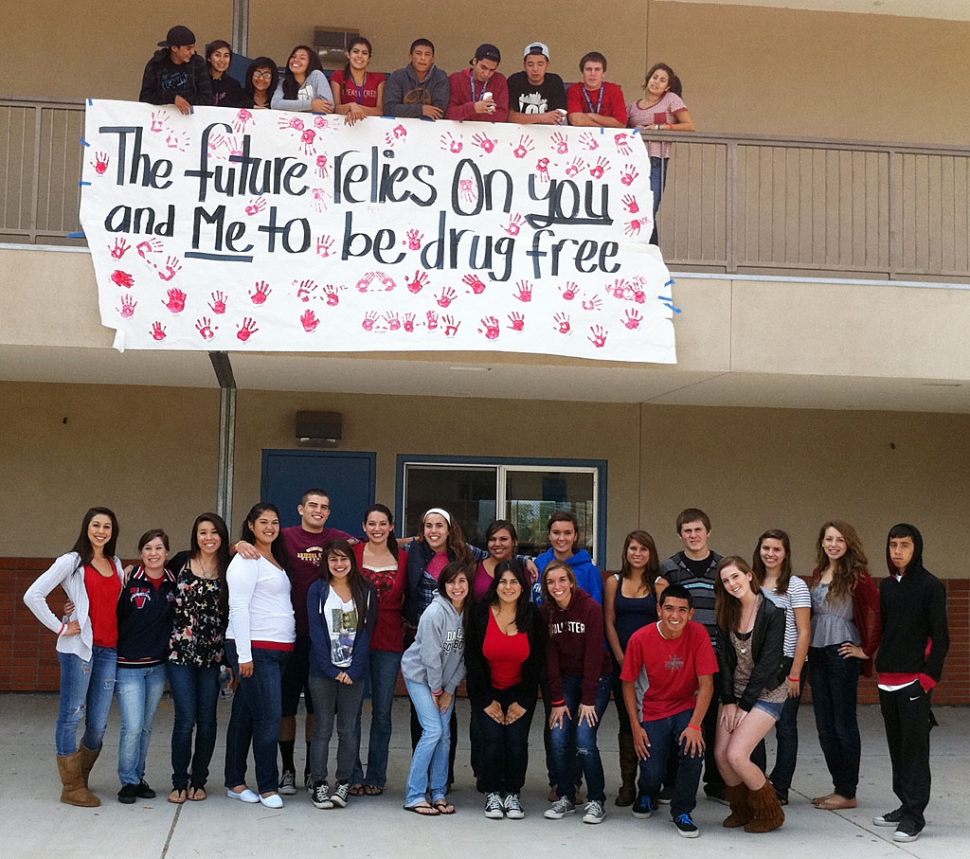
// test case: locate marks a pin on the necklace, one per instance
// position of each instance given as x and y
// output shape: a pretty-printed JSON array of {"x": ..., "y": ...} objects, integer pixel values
[
  {"x": 743, "y": 638},
  {"x": 206, "y": 574}
]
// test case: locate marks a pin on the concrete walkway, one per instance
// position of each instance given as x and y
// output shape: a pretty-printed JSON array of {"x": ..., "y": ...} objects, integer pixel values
[{"x": 34, "y": 824}]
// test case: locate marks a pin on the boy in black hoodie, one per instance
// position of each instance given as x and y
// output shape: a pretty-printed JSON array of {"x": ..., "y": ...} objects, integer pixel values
[{"x": 915, "y": 640}]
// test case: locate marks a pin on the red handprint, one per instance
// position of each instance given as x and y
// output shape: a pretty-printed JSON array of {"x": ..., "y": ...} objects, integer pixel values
[
  {"x": 393, "y": 320},
  {"x": 432, "y": 318},
  {"x": 157, "y": 331},
  {"x": 468, "y": 191},
  {"x": 122, "y": 278},
  {"x": 149, "y": 246},
  {"x": 446, "y": 297},
  {"x": 632, "y": 228},
  {"x": 597, "y": 336},
  {"x": 100, "y": 163},
  {"x": 177, "y": 140},
  {"x": 632, "y": 319},
  {"x": 474, "y": 282},
  {"x": 484, "y": 142},
  {"x": 490, "y": 327},
  {"x": 176, "y": 300},
  {"x": 332, "y": 294},
  {"x": 515, "y": 224},
  {"x": 243, "y": 117},
  {"x": 247, "y": 329},
  {"x": 525, "y": 291},
  {"x": 419, "y": 282},
  {"x": 260, "y": 292},
  {"x": 570, "y": 291},
  {"x": 306, "y": 139},
  {"x": 561, "y": 321},
  {"x": 306, "y": 287},
  {"x": 218, "y": 303},
  {"x": 256, "y": 206},
  {"x": 309, "y": 321},
  {"x": 622, "y": 141},
  {"x": 630, "y": 203},
  {"x": 576, "y": 166},
  {"x": 119, "y": 249},
  {"x": 409, "y": 322},
  {"x": 451, "y": 327},
  {"x": 588, "y": 139},
  {"x": 324, "y": 244},
  {"x": 158, "y": 121},
  {"x": 561, "y": 143},
  {"x": 323, "y": 168},
  {"x": 293, "y": 122},
  {"x": 601, "y": 166},
  {"x": 639, "y": 297},
  {"x": 620, "y": 289},
  {"x": 320, "y": 121},
  {"x": 392, "y": 137},
  {"x": 369, "y": 319},
  {"x": 128, "y": 305},
  {"x": 449, "y": 143},
  {"x": 171, "y": 268},
  {"x": 320, "y": 199},
  {"x": 205, "y": 329},
  {"x": 526, "y": 145},
  {"x": 516, "y": 321},
  {"x": 400, "y": 131},
  {"x": 595, "y": 303},
  {"x": 630, "y": 173},
  {"x": 542, "y": 168},
  {"x": 414, "y": 239},
  {"x": 363, "y": 285}
]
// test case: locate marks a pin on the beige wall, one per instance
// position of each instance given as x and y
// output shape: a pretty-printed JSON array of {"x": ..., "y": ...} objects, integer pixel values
[
  {"x": 745, "y": 69},
  {"x": 151, "y": 453}
]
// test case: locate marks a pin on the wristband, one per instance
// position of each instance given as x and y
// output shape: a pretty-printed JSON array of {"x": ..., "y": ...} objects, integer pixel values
[
  {"x": 695, "y": 727},
  {"x": 236, "y": 545},
  {"x": 795, "y": 679}
]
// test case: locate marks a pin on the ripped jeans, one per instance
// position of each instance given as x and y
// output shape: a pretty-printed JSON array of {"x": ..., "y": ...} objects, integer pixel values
[
  {"x": 87, "y": 688},
  {"x": 573, "y": 739}
]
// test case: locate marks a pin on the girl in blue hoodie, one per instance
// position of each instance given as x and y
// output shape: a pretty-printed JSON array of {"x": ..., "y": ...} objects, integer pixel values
[
  {"x": 342, "y": 610},
  {"x": 564, "y": 546}
]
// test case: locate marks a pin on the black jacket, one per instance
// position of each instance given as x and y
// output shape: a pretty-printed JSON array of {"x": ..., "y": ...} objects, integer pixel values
[
  {"x": 196, "y": 88},
  {"x": 771, "y": 666}
]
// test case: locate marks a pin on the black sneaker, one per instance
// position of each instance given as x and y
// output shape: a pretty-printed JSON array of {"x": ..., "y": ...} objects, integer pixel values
[
  {"x": 321, "y": 795},
  {"x": 143, "y": 791},
  {"x": 907, "y": 831},
  {"x": 288, "y": 783},
  {"x": 642, "y": 808},
  {"x": 308, "y": 782},
  {"x": 686, "y": 826},
  {"x": 128, "y": 794},
  {"x": 890, "y": 818},
  {"x": 666, "y": 795},
  {"x": 340, "y": 795}
]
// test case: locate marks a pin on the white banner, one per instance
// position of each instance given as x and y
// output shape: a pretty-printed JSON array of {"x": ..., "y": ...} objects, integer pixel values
[{"x": 277, "y": 231}]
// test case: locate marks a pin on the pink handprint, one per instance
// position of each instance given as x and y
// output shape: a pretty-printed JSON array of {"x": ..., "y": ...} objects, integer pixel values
[
  {"x": 177, "y": 140},
  {"x": 484, "y": 142},
  {"x": 490, "y": 327},
  {"x": 630, "y": 203},
  {"x": 561, "y": 321},
  {"x": 157, "y": 331},
  {"x": 171, "y": 268},
  {"x": 324, "y": 244},
  {"x": 419, "y": 282},
  {"x": 256, "y": 206},
  {"x": 570, "y": 291},
  {"x": 216, "y": 142},
  {"x": 400, "y": 131},
  {"x": 516, "y": 321},
  {"x": 576, "y": 166},
  {"x": 332, "y": 294},
  {"x": 393, "y": 320},
  {"x": 632, "y": 319},
  {"x": 158, "y": 121},
  {"x": 307, "y": 138},
  {"x": 468, "y": 191},
  {"x": 293, "y": 122},
  {"x": 247, "y": 329},
  {"x": 320, "y": 199},
  {"x": 526, "y": 145},
  {"x": 620, "y": 289},
  {"x": 122, "y": 278},
  {"x": 100, "y": 163},
  {"x": 432, "y": 318},
  {"x": 205, "y": 329},
  {"x": 639, "y": 297},
  {"x": 632, "y": 228},
  {"x": 451, "y": 327},
  {"x": 414, "y": 239},
  {"x": 243, "y": 117},
  {"x": 450, "y": 143},
  {"x": 601, "y": 166},
  {"x": 474, "y": 282},
  {"x": 323, "y": 168},
  {"x": 218, "y": 302},
  {"x": 363, "y": 285},
  {"x": 309, "y": 321},
  {"x": 369, "y": 319},
  {"x": 306, "y": 288},
  {"x": 149, "y": 246},
  {"x": 260, "y": 292},
  {"x": 176, "y": 300},
  {"x": 409, "y": 322},
  {"x": 562, "y": 144},
  {"x": 622, "y": 141},
  {"x": 595, "y": 303},
  {"x": 128, "y": 305},
  {"x": 515, "y": 224},
  {"x": 588, "y": 139},
  {"x": 597, "y": 336},
  {"x": 119, "y": 249},
  {"x": 630, "y": 173},
  {"x": 525, "y": 291},
  {"x": 320, "y": 121},
  {"x": 446, "y": 297},
  {"x": 542, "y": 168}
]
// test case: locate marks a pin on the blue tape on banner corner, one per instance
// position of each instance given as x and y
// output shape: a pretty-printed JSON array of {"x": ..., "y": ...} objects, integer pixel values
[
  {"x": 82, "y": 183},
  {"x": 674, "y": 309},
  {"x": 84, "y": 142},
  {"x": 75, "y": 235},
  {"x": 665, "y": 297},
  {"x": 90, "y": 101},
  {"x": 670, "y": 282}
]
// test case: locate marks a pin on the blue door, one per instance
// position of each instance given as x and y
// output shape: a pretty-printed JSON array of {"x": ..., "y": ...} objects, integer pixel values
[{"x": 349, "y": 477}]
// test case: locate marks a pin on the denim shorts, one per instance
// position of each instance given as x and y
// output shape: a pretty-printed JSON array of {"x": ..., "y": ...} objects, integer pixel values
[{"x": 773, "y": 710}]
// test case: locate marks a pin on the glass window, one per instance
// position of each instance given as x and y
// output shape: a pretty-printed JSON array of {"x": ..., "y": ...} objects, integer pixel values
[{"x": 533, "y": 496}]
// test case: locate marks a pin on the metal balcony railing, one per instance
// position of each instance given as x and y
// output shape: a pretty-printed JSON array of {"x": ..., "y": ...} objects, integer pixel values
[{"x": 733, "y": 203}]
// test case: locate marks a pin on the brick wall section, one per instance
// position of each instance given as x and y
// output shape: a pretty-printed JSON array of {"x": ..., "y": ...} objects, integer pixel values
[{"x": 28, "y": 660}]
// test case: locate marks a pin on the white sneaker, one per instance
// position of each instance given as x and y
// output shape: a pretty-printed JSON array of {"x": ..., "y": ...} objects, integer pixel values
[
  {"x": 513, "y": 808},
  {"x": 560, "y": 808},
  {"x": 595, "y": 813}
]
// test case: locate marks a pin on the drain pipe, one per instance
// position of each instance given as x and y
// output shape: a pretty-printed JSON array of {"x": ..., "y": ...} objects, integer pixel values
[
  {"x": 240, "y": 27},
  {"x": 227, "y": 433}
]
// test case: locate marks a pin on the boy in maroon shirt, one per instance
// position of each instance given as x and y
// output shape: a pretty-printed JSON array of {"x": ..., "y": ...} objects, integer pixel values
[{"x": 595, "y": 102}]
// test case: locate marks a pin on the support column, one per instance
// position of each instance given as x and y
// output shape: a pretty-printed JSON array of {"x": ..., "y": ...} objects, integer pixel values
[
  {"x": 227, "y": 433},
  {"x": 240, "y": 28}
]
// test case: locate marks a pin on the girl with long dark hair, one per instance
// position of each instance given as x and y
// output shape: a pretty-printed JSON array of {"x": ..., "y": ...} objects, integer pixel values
[
  {"x": 262, "y": 80},
  {"x": 305, "y": 87},
  {"x": 357, "y": 92}
]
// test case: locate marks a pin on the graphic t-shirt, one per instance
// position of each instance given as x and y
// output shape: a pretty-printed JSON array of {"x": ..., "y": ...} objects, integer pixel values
[
  {"x": 305, "y": 549},
  {"x": 365, "y": 95},
  {"x": 525, "y": 97},
  {"x": 342, "y": 625},
  {"x": 174, "y": 79}
]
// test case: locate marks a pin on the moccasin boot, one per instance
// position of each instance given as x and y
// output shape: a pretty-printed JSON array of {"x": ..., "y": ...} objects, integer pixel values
[{"x": 74, "y": 792}]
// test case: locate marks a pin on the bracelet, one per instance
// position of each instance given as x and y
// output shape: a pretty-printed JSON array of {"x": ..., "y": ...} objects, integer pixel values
[
  {"x": 795, "y": 679},
  {"x": 695, "y": 727},
  {"x": 236, "y": 545}
]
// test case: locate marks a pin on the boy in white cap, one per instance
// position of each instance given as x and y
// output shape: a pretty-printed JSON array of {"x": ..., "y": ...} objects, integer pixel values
[{"x": 536, "y": 95}]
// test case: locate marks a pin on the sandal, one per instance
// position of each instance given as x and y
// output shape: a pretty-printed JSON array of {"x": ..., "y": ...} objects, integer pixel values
[
  {"x": 443, "y": 806},
  {"x": 373, "y": 790},
  {"x": 356, "y": 790},
  {"x": 197, "y": 793},
  {"x": 178, "y": 795},
  {"x": 424, "y": 809}
]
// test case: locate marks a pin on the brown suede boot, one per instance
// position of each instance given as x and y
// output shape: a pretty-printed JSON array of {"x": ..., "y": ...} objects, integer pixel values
[
  {"x": 738, "y": 797},
  {"x": 768, "y": 814},
  {"x": 629, "y": 765},
  {"x": 88, "y": 758},
  {"x": 74, "y": 792}
]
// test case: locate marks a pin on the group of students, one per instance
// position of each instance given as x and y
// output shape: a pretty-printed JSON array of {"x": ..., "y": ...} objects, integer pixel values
[
  {"x": 703, "y": 655},
  {"x": 176, "y": 75}
]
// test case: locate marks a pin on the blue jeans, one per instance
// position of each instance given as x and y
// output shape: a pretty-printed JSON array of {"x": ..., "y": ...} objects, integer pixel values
[
  {"x": 658, "y": 181},
  {"x": 835, "y": 686},
  {"x": 138, "y": 691},
  {"x": 257, "y": 708},
  {"x": 86, "y": 691},
  {"x": 572, "y": 739},
  {"x": 195, "y": 693},
  {"x": 429, "y": 763},
  {"x": 383, "y": 667},
  {"x": 786, "y": 738},
  {"x": 664, "y": 737}
]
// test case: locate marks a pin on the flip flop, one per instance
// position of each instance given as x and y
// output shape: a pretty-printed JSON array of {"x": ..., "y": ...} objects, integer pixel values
[
  {"x": 444, "y": 807},
  {"x": 178, "y": 795},
  {"x": 373, "y": 790},
  {"x": 197, "y": 793},
  {"x": 424, "y": 809},
  {"x": 357, "y": 790}
]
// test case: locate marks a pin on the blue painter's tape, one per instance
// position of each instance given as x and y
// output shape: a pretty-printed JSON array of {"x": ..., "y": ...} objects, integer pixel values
[
  {"x": 75, "y": 235},
  {"x": 82, "y": 184},
  {"x": 674, "y": 309},
  {"x": 665, "y": 298},
  {"x": 90, "y": 101},
  {"x": 670, "y": 282},
  {"x": 84, "y": 142}
]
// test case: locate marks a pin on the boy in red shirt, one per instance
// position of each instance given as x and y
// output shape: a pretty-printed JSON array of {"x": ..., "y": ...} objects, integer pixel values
[{"x": 595, "y": 102}]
